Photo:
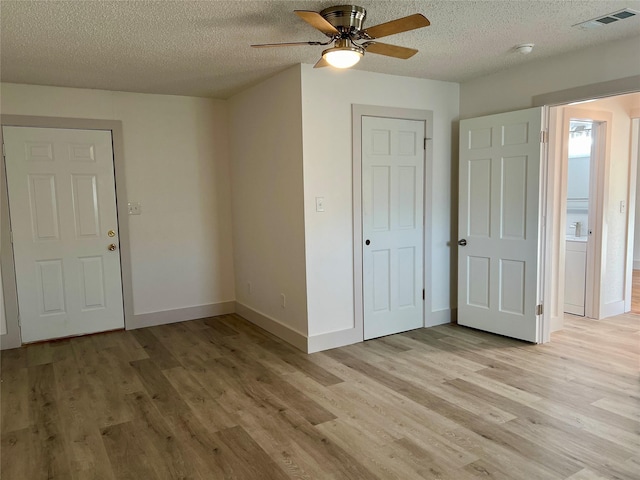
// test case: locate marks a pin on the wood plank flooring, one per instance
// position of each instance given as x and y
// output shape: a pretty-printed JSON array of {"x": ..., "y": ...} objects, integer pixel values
[
  {"x": 221, "y": 399},
  {"x": 635, "y": 292}
]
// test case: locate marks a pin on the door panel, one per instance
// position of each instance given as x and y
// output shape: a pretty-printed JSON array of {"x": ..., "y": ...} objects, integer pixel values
[
  {"x": 498, "y": 286},
  {"x": 392, "y": 207},
  {"x": 62, "y": 203},
  {"x": 85, "y": 206}
]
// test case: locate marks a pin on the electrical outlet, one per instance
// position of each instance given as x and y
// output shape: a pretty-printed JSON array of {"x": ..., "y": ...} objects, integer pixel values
[
  {"x": 623, "y": 206},
  {"x": 319, "y": 204},
  {"x": 283, "y": 300},
  {"x": 134, "y": 208}
]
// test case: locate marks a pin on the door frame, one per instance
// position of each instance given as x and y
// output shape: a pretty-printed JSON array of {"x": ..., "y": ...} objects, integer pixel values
[
  {"x": 561, "y": 98},
  {"x": 634, "y": 160},
  {"x": 357, "y": 112},
  {"x": 13, "y": 338},
  {"x": 598, "y": 201}
]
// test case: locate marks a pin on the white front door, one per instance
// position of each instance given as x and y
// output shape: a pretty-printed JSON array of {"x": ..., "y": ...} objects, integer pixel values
[
  {"x": 498, "y": 286},
  {"x": 65, "y": 232},
  {"x": 392, "y": 224}
]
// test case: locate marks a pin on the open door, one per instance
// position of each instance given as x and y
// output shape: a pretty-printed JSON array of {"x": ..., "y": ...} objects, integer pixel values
[{"x": 499, "y": 226}]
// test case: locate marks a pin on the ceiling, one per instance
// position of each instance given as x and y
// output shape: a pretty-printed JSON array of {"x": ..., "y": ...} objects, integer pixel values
[{"x": 201, "y": 48}]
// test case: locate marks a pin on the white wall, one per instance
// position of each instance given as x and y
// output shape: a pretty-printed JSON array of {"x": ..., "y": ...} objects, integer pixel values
[
  {"x": 176, "y": 166},
  {"x": 268, "y": 216},
  {"x": 327, "y": 97},
  {"x": 513, "y": 89}
]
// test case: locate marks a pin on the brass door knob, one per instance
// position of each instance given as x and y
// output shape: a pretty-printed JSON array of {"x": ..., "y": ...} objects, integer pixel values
[
  {"x": 112, "y": 247},
  {"x": 111, "y": 233}
]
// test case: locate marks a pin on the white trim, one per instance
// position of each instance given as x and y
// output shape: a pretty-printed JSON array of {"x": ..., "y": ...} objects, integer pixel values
[
  {"x": 612, "y": 309},
  {"x": 596, "y": 260},
  {"x": 271, "y": 325},
  {"x": 143, "y": 320},
  {"x": 357, "y": 112},
  {"x": 630, "y": 263},
  {"x": 605, "y": 89},
  {"x": 555, "y": 324},
  {"x": 636, "y": 264},
  {"x": 543, "y": 324},
  {"x": 340, "y": 338},
  {"x": 552, "y": 317},
  {"x": 439, "y": 317}
]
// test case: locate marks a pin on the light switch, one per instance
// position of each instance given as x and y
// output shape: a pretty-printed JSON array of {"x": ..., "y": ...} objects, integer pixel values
[
  {"x": 134, "y": 208},
  {"x": 319, "y": 204},
  {"x": 623, "y": 206}
]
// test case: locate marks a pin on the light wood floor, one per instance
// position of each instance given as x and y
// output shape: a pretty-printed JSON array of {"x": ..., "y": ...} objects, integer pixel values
[
  {"x": 219, "y": 398},
  {"x": 635, "y": 292}
]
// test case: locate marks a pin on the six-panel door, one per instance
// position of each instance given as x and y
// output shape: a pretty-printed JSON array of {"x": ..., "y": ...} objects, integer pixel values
[
  {"x": 392, "y": 216},
  {"x": 64, "y": 225},
  {"x": 499, "y": 224}
]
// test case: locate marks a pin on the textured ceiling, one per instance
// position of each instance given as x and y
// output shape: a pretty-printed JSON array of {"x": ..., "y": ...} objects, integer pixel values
[{"x": 201, "y": 48}]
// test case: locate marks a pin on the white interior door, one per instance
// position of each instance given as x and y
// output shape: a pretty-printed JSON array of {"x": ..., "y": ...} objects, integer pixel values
[
  {"x": 65, "y": 232},
  {"x": 498, "y": 286},
  {"x": 392, "y": 224}
]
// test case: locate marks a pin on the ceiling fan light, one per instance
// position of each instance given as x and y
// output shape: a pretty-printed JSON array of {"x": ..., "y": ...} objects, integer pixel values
[{"x": 343, "y": 57}]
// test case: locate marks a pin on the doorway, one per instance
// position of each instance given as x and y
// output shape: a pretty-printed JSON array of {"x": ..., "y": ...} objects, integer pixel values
[
  {"x": 62, "y": 206},
  {"x": 582, "y": 162},
  {"x": 392, "y": 224},
  {"x": 615, "y": 207},
  {"x": 606, "y": 251},
  {"x": 392, "y": 174},
  {"x": 13, "y": 337}
]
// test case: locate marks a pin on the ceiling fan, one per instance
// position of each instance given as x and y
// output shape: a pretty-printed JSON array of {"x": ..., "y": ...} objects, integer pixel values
[{"x": 343, "y": 25}]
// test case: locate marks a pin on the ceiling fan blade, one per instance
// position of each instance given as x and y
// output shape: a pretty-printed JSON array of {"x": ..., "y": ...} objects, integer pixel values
[
  {"x": 288, "y": 44},
  {"x": 399, "y": 25},
  {"x": 321, "y": 63},
  {"x": 317, "y": 21},
  {"x": 389, "y": 50}
]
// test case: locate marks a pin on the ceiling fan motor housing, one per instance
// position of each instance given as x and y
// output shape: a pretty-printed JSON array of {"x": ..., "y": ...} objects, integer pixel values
[{"x": 347, "y": 19}]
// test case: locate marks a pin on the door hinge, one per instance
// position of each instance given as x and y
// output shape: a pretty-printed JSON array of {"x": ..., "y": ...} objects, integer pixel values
[
  {"x": 539, "y": 309},
  {"x": 544, "y": 136},
  {"x": 3, "y": 150},
  {"x": 423, "y": 294},
  {"x": 11, "y": 235},
  {"x": 19, "y": 322}
]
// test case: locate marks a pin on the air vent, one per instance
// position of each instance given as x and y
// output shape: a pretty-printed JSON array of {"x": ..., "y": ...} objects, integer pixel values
[{"x": 608, "y": 19}]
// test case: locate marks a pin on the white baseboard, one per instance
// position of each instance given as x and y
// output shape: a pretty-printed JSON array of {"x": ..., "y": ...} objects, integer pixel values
[
  {"x": 556, "y": 323},
  {"x": 273, "y": 326},
  {"x": 312, "y": 344},
  {"x": 612, "y": 309},
  {"x": 440, "y": 317},
  {"x": 574, "y": 309},
  {"x": 340, "y": 338},
  {"x": 164, "y": 317}
]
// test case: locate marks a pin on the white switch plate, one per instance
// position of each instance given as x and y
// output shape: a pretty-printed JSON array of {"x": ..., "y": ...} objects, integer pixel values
[
  {"x": 319, "y": 204},
  {"x": 623, "y": 206},
  {"x": 283, "y": 300},
  {"x": 134, "y": 208}
]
